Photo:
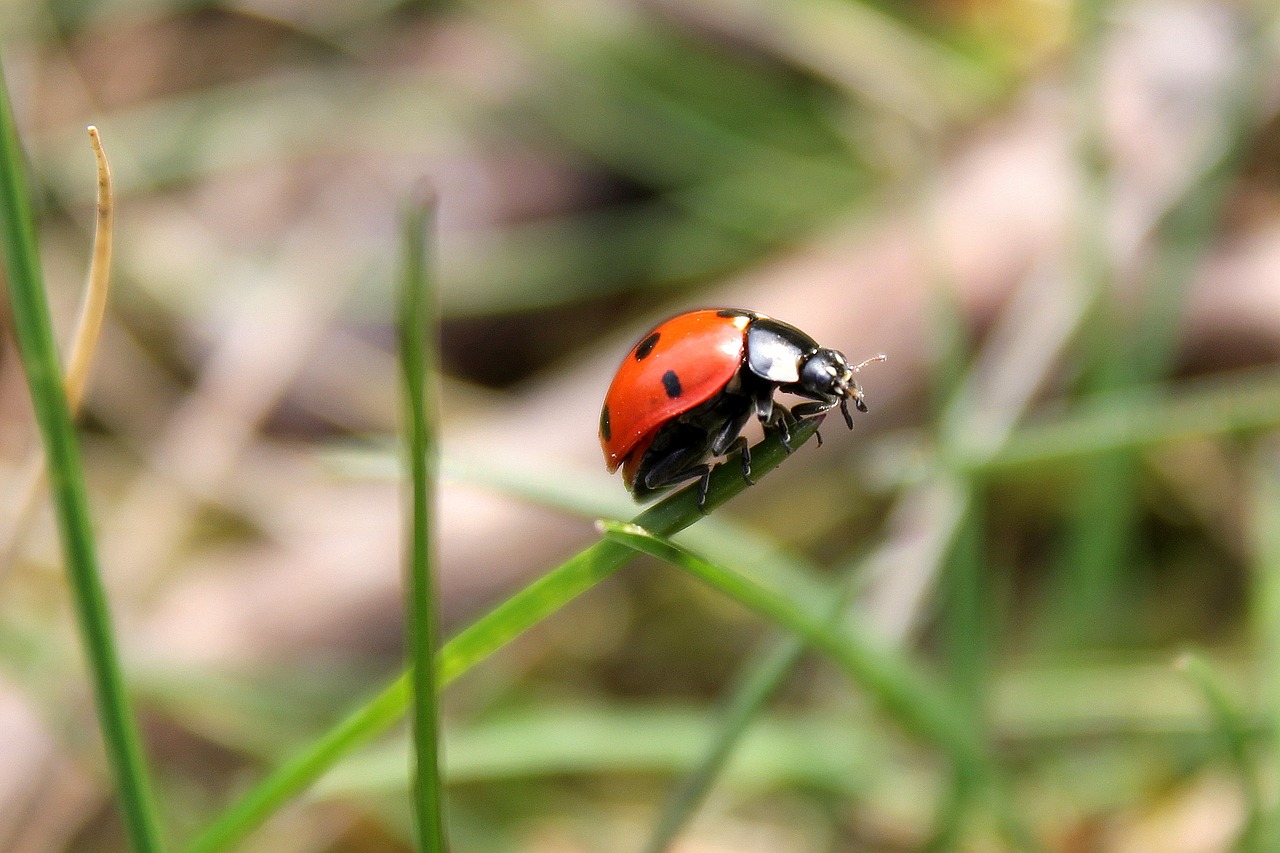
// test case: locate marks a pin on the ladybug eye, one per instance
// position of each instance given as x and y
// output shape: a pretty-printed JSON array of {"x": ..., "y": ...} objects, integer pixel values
[{"x": 819, "y": 374}]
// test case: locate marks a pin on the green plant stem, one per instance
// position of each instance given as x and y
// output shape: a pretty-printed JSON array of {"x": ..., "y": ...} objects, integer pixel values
[
  {"x": 417, "y": 327},
  {"x": 508, "y": 620},
  {"x": 34, "y": 333}
]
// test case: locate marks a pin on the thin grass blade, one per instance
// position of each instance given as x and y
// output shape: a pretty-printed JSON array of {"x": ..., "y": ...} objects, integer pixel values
[
  {"x": 38, "y": 351},
  {"x": 417, "y": 323}
]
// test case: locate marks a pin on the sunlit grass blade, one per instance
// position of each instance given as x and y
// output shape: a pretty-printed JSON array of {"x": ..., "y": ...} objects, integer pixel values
[
  {"x": 911, "y": 699},
  {"x": 418, "y": 323},
  {"x": 34, "y": 333},
  {"x": 508, "y": 620},
  {"x": 1236, "y": 735}
]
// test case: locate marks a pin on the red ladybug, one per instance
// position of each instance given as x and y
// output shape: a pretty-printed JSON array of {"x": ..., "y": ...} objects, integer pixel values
[{"x": 685, "y": 392}]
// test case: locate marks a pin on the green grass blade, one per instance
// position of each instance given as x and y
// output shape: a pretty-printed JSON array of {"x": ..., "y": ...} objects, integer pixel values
[
  {"x": 540, "y": 599},
  {"x": 417, "y": 327},
  {"x": 34, "y": 333}
]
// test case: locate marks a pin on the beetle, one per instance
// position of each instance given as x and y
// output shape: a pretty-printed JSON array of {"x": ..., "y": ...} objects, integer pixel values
[{"x": 686, "y": 390}]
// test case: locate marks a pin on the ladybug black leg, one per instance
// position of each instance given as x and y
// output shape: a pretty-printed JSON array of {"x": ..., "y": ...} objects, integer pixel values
[
  {"x": 785, "y": 420},
  {"x": 804, "y": 411},
  {"x": 730, "y": 440},
  {"x": 741, "y": 447},
  {"x": 727, "y": 438},
  {"x": 703, "y": 483},
  {"x": 818, "y": 435},
  {"x": 781, "y": 420},
  {"x": 675, "y": 467},
  {"x": 667, "y": 473},
  {"x": 844, "y": 410}
]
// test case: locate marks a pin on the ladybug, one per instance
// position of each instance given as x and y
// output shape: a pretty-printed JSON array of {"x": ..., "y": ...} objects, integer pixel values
[{"x": 686, "y": 390}]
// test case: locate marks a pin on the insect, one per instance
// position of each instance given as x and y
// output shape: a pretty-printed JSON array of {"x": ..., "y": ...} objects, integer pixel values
[{"x": 684, "y": 393}]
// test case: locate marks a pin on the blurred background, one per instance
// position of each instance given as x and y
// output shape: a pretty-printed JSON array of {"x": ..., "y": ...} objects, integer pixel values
[{"x": 1061, "y": 223}]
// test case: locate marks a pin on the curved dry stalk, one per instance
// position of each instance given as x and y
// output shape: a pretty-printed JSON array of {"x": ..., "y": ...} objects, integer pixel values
[
  {"x": 84, "y": 343},
  {"x": 89, "y": 325}
]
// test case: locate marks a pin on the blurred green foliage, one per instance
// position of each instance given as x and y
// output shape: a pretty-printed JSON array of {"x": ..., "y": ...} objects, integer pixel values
[{"x": 1065, "y": 509}]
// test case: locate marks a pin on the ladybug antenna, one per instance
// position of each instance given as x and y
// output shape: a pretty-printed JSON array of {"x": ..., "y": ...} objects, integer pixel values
[
  {"x": 877, "y": 357},
  {"x": 850, "y": 389}
]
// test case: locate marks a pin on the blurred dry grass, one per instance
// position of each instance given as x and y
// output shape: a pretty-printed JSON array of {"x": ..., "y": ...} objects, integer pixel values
[{"x": 852, "y": 168}]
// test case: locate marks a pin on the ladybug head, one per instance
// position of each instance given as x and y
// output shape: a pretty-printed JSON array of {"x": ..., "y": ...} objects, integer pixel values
[{"x": 827, "y": 375}]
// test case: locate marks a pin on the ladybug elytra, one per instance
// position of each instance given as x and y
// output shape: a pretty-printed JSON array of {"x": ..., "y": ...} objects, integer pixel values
[{"x": 684, "y": 393}]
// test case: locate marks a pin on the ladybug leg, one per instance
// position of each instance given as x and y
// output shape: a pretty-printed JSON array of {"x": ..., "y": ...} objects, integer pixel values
[
  {"x": 703, "y": 483},
  {"x": 675, "y": 468},
  {"x": 809, "y": 410},
  {"x": 741, "y": 447},
  {"x": 774, "y": 417},
  {"x": 730, "y": 440},
  {"x": 782, "y": 421},
  {"x": 727, "y": 438}
]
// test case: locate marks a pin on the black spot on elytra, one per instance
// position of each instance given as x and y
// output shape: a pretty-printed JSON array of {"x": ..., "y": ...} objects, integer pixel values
[
  {"x": 671, "y": 383},
  {"x": 646, "y": 346},
  {"x": 605, "y": 432}
]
